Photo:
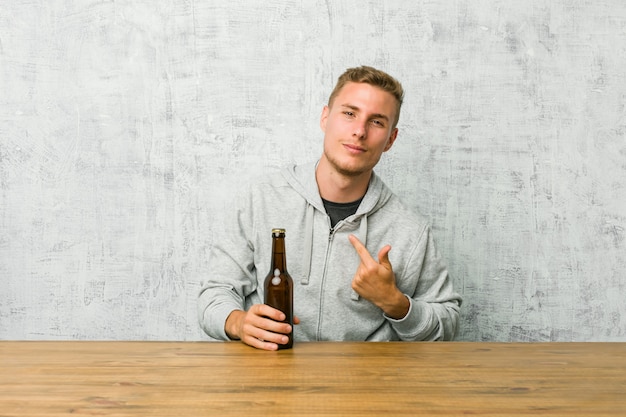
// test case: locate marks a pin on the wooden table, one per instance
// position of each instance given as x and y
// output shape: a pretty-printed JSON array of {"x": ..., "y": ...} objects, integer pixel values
[{"x": 316, "y": 379}]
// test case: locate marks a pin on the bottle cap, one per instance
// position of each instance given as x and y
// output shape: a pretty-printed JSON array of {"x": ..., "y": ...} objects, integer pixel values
[{"x": 277, "y": 231}]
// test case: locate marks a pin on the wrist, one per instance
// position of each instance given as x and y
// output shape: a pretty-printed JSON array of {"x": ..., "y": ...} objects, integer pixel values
[
  {"x": 233, "y": 324},
  {"x": 397, "y": 307}
]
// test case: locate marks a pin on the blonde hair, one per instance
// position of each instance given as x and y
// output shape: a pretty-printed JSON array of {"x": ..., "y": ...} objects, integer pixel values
[{"x": 373, "y": 77}]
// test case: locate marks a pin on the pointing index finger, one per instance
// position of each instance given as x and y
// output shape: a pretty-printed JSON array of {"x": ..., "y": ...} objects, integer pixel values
[{"x": 360, "y": 249}]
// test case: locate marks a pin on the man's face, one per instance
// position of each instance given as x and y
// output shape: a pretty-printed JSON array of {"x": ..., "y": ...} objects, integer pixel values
[{"x": 358, "y": 128}]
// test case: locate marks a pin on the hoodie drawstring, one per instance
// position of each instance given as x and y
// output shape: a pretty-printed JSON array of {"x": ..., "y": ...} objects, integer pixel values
[
  {"x": 363, "y": 230},
  {"x": 308, "y": 244}
]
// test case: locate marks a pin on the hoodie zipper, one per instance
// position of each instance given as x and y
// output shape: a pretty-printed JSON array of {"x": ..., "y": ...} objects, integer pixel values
[{"x": 331, "y": 236}]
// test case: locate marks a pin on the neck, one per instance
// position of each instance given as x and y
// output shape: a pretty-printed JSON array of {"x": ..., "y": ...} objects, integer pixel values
[{"x": 339, "y": 188}]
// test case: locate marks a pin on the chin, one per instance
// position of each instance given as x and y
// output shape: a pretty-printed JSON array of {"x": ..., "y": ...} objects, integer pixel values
[
  {"x": 347, "y": 166},
  {"x": 350, "y": 170}
]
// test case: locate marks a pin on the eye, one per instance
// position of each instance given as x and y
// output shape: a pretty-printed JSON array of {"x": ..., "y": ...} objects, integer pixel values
[
  {"x": 348, "y": 113},
  {"x": 378, "y": 123}
]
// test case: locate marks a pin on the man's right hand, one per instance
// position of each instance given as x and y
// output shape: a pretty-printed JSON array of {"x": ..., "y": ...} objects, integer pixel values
[{"x": 259, "y": 327}]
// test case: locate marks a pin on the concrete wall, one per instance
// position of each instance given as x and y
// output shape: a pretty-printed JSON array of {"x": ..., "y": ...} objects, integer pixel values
[{"x": 125, "y": 124}]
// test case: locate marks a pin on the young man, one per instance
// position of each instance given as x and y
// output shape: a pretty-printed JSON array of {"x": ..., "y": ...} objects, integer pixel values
[{"x": 337, "y": 213}]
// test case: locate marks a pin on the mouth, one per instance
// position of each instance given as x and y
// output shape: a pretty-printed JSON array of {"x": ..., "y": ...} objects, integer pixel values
[{"x": 354, "y": 149}]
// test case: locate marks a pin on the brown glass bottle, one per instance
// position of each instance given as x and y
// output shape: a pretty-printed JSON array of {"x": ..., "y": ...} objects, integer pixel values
[{"x": 278, "y": 283}]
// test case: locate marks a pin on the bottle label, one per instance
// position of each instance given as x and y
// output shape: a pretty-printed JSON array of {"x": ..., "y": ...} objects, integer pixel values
[{"x": 276, "y": 279}]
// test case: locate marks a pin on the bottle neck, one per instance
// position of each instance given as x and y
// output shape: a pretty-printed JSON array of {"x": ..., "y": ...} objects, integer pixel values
[{"x": 279, "y": 258}]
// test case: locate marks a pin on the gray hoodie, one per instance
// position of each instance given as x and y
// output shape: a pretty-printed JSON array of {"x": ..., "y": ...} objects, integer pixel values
[{"x": 322, "y": 263}]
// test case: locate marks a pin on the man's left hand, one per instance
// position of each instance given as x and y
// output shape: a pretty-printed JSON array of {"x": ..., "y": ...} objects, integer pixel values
[{"x": 376, "y": 282}]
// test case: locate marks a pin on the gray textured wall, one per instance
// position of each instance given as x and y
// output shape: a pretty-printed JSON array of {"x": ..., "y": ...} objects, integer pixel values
[{"x": 124, "y": 124}]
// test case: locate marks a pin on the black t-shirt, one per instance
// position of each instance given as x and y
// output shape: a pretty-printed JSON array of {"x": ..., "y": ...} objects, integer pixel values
[{"x": 339, "y": 211}]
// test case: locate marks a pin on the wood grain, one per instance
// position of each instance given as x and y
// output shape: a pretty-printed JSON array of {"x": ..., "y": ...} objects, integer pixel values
[{"x": 229, "y": 379}]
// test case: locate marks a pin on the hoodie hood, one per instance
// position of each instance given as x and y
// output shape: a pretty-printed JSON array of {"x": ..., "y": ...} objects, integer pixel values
[{"x": 302, "y": 179}]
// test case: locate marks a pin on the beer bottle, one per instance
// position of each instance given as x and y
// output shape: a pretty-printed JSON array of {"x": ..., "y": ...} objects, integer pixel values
[{"x": 278, "y": 283}]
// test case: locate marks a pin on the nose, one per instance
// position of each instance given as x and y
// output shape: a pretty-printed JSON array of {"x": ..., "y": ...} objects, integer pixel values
[{"x": 360, "y": 130}]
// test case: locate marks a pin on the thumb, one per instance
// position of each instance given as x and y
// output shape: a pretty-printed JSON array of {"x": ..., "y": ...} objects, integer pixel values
[{"x": 383, "y": 256}]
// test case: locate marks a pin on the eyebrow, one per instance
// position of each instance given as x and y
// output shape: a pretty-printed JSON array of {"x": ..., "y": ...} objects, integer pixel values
[{"x": 373, "y": 116}]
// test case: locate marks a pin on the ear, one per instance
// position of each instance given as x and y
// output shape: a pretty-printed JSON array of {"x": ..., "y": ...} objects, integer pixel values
[
  {"x": 392, "y": 139},
  {"x": 324, "y": 118}
]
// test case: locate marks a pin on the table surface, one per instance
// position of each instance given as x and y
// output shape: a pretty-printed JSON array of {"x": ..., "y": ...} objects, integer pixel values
[{"x": 317, "y": 379}]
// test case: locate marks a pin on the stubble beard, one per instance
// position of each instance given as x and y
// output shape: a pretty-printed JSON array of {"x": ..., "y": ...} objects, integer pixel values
[{"x": 348, "y": 172}]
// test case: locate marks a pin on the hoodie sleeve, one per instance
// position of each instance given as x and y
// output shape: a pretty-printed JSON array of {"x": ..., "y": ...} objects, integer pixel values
[
  {"x": 434, "y": 310},
  {"x": 231, "y": 275}
]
